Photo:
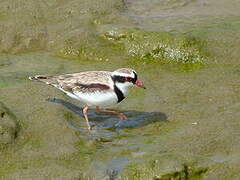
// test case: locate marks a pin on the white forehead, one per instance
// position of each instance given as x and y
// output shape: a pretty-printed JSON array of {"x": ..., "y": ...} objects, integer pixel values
[{"x": 132, "y": 75}]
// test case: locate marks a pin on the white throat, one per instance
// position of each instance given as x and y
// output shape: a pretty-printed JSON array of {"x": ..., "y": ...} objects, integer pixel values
[{"x": 123, "y": 87}]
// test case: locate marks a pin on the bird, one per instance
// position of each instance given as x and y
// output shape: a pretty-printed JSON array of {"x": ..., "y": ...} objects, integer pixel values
[{"x": 95, "y": 88}]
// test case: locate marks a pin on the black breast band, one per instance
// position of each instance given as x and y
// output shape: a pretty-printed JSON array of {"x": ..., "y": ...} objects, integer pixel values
[{"x": 119, "y": 93}]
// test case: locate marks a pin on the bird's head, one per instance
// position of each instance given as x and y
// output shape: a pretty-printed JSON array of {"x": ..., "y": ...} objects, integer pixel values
[{"x": 125, "y": 77}]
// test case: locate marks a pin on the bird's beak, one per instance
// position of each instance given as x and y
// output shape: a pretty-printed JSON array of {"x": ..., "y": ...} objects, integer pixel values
[{"x": 140, "y": 84}]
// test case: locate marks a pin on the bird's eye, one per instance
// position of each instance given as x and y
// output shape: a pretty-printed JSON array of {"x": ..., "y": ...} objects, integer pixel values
[{"x": 129, "y": 79}]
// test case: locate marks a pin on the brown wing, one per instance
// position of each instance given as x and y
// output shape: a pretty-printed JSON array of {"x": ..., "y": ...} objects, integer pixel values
[
  {"x": 91, "y": 81},
  {"x": 85, "y": 88}
]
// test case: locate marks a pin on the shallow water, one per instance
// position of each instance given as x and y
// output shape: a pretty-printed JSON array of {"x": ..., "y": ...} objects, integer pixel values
[
  {"x": 181, "y": 15},
  {"x": 179, "y": 113},
  {"x": 185, "y": 124}
]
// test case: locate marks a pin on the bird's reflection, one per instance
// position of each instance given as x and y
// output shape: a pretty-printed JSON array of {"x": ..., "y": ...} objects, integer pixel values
[{"x": 135, "y": 118}]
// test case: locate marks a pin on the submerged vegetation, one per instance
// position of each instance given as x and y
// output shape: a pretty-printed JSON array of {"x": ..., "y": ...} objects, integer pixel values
[
  {"x": 141, "y": 46},
  {"x": 9, "y": 126},
  {"x": 159, "y": 46},
  {"x": 159, "y": 170}
]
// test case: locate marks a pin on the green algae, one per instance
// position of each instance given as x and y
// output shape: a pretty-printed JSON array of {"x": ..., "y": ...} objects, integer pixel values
[
  {"x": 94, "y": 49},
  {"x": 142, "y": 46},
  {"x": 3, "y": 85},
  {"x": 133, "y": 46},
  {"x": 159, "y": 46},
  {"x": 12, "y": 166},
  {"x": 9, "y": 126},
  {"x": 160, "y": 169}
]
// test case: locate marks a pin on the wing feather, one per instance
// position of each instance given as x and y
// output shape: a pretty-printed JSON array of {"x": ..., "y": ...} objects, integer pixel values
[{"x": 91, "y": 81}]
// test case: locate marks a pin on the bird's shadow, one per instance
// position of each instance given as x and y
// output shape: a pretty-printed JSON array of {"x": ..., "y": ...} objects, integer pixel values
[{"x": 107, "y": 121}]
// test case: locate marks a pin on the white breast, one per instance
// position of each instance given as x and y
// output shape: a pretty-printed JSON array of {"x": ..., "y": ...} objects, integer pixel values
[
  {"x": 123, "y": 87},
  {"x": 98, "y": 98}
]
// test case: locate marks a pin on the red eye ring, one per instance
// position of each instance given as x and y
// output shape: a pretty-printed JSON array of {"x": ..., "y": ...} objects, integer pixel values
[{"x": 129, "y": 79}]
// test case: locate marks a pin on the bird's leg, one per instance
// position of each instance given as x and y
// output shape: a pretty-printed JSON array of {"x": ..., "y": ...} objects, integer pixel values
[
  {"x": 85, "y": 111},
  {"x": 120, "y": 115}
]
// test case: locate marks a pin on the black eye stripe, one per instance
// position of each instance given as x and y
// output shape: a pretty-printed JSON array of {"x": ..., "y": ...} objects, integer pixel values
[
  {"x": 129, "y": 79},
  {"x": 122, "y": 79},
  {"x": 118, "y": 79}
]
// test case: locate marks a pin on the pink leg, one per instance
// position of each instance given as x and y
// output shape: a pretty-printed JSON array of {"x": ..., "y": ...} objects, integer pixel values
[
  {"x": 120, "y": 115},
  {"x": 85, "y": 111}
]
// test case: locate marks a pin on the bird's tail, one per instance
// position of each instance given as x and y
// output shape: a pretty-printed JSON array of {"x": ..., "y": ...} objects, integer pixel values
[{"x": 45, "y": 79}]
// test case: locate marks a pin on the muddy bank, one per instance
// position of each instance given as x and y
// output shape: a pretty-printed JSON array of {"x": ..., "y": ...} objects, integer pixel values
[
  {"x": 92, "y": 31},
  {"x": 35, "y": 25}
]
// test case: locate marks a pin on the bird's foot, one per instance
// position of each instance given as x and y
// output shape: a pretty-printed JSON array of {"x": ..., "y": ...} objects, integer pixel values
[
  {"x": 122, "y": 116},
  {"x": 89, "y": 128}
]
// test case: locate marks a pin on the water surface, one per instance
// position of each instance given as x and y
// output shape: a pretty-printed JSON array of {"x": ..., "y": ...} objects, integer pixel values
[{"x": 186, "y": 124}]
